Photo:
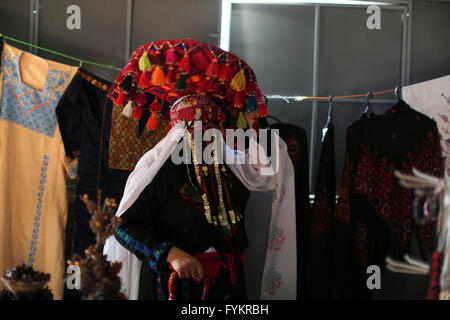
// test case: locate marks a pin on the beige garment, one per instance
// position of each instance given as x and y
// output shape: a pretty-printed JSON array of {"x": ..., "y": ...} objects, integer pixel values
[
  {"x": 33, "y": 202},
  {"x": 433, "y": 99}
]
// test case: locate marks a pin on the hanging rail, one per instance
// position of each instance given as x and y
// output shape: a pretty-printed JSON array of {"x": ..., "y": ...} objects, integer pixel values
[{"x": 62, "y": 54}]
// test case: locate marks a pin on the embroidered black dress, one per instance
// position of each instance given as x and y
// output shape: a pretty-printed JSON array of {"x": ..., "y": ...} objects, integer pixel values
[
  {"x": 296, "y": 141},
  {"x": 169, "y": 212},
  {"x": 373, "y": 217},
  {"x": 319, "y": 260},
  {"x": 80, "y": 113}
]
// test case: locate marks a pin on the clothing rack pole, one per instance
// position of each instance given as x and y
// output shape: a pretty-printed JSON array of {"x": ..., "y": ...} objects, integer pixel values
[
  {"x": 288, "y": 99},
  {"x": 128, "y": 32},
  {"x": 315, "y": 92}
]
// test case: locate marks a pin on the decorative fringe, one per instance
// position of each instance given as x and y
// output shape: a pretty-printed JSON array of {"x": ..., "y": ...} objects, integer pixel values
[
  {"x": 181, "y": 84},
  {"x": 241, "y": 122},
  {"x": 238, "y": 82},
  {"x": 144, "y": 80},
  {"x": 213, "y": 69},
  {"x": 239, "y": 99},
  {"x": 158, "y": 77},
  {"x": 126, "y": 83},
  {"x": 137, "y": 114},
  {"x": 144, "y": 63},
  {"x": 128, "y": 110},
  {"x": 252, "y": 104}
]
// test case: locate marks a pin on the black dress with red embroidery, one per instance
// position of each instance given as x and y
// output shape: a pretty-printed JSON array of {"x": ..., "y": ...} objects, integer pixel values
[
  {"x": 319, "y": 260},
  {"x": 373, "y": 217}
]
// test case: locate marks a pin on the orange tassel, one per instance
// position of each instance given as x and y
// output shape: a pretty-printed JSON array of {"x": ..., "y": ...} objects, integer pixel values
[
  {"x": 158, "y": 77},
  {"x": 144, "y": 80}
]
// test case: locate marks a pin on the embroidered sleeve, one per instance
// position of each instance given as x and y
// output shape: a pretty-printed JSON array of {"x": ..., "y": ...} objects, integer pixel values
[
  {"x": 152, "y": 252},
  {"x": 139, "y": 231}
]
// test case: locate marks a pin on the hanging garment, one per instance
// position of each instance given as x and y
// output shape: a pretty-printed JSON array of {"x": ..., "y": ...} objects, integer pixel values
[
  {"x": 319, "y": 260},
  {"x": 82, "y": 112},
  {"x": 373, "y": 217},
  {"x": 432, "y": 98},
  {"x": 33, "y": 204},
  {"x": 280, "y": 264},
  {"x": 297, "y": 147}
]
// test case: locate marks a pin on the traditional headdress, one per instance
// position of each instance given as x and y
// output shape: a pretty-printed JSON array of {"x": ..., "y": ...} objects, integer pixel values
[{"x": 161, "y": 72}]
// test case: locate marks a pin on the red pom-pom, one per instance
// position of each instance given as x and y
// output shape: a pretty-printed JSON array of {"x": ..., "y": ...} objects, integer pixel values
[{"x": 155, "y": 106}]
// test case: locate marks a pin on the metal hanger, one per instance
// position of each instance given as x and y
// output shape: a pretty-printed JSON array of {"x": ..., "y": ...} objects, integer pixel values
[
  {"x": 369, "y": 111},
  {"x": 330, "y": 102},
  {"x": 397, "y": 92},
  {"x": 266, "y": 101},
  {"x": 325, "y": 129}
]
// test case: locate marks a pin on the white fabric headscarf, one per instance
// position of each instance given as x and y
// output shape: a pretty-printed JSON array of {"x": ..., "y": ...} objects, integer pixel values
[{"x": 274, "y": 277}]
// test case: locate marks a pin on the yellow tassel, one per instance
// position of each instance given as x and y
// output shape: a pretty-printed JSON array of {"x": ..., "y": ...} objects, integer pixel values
[
  {"x": 238, "y": 83},
  {"x": 241, "y": 122},
  {"x": 144, "y": 63}
]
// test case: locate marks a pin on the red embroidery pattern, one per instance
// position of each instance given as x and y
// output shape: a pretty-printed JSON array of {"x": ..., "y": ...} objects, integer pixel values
[
  {"x": 320, "y": 223},
  {"x": 375, "y": 181},
  {"x": 272, "y": 281},
  {"x": 277, "y": 238},
  {"x": 342, "y": 211},
  {"x": 293, "y": 147}
]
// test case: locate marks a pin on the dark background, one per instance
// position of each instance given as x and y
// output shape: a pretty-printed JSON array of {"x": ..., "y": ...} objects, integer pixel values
[{"x": 276, "y": 40}]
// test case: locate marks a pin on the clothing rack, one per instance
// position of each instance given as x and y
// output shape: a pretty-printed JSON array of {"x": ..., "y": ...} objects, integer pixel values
[{"x": 354, "y": 98}]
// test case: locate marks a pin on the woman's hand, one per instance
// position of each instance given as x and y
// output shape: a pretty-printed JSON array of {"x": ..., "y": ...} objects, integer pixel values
[{"x": 185, "y": 264}]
